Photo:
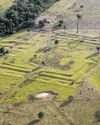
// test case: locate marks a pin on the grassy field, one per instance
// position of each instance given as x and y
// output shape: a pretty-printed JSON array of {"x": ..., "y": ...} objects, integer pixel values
[
  {"x": 67, "y": 10},
  {"x": 5, "y": 4},
  {"x": 70, "y": 8},
  {"x": 66, "y": 65},
  {"x": 95, "y": 77},
  {"x": 36, "y": 64}
]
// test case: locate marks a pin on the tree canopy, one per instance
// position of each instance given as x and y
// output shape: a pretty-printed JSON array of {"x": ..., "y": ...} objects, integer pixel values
[{"x": 22, "y": 14}]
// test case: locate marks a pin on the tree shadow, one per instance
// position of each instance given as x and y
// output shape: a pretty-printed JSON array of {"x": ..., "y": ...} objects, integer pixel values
[
  {"x": 34, "y": 121},
  {"x": 97, "y": 116}
]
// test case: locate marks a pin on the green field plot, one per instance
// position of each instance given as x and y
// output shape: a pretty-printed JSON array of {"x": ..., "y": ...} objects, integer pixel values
[
  {"x": 95, "y": 77},
  {"x": 35, "y": 64},
  {"x": 7, "y": 82}
]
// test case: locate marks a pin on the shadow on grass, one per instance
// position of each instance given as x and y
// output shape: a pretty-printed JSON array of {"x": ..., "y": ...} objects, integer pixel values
[
  {"x": 97, "y": 116},
  {"x": 33, "y": 122}
]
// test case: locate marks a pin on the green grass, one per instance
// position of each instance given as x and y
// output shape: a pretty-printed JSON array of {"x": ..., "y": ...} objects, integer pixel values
[
  {"x": 95, "y": 77},
  {"x": 55, "y": 76},
  {"x": 5, "y": 4}
]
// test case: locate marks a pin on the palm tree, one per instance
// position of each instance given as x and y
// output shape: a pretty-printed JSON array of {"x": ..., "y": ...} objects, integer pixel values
[{"x": 78, "y": 19}]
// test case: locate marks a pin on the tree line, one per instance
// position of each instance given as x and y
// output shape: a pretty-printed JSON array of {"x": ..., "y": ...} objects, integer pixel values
[{"x": 22, "y": 15}]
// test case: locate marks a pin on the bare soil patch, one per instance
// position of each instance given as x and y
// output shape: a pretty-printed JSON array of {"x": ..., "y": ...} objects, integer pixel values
[{"x": 46, "y": 95}]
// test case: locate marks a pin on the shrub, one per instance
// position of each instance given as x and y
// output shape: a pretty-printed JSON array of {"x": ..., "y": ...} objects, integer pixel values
[
  {"x": 81, "y": 6},
  {"x": 40, "y": 115},
  {"x": 43, "y": 63},
  {"x": 56, "y": 42},
  {"x": 61, "y": 22},
  {"x": 41, "y": 23}
]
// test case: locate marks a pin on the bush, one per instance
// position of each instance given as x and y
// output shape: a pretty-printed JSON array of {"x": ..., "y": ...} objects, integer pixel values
[
  {"x": 41, "y": 23},
  {"x": 35, "y": 56},
  {"x": 4, "y": 50},
  {"x": 81, "y": 6},
  {"x": 43, "y": 63},
  {"x": 40, "y": 115},
  {"x": 1, "y": 50},
  {"x": 56, "y": 42},
  {"x": 61, "y": 22}
]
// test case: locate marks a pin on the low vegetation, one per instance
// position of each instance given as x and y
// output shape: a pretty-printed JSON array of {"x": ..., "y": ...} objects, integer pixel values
[
  {"x": 58, "y": 68},
  {"x": 49, "y": 68}
]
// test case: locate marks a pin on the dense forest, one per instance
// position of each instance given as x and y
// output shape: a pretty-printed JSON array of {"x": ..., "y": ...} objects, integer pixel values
[{"x": 22, "y": 15}]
